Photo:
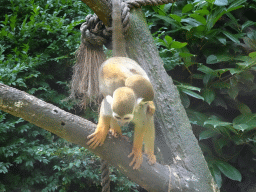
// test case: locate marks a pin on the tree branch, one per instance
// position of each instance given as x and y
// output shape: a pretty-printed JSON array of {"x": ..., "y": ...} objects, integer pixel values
[
  {"x": 76, "y": 129},
  {"x": 101, "y": 8}
]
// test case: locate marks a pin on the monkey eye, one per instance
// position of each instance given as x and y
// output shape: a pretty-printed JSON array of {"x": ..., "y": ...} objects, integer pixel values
[
  {"x": 126, "y": 118},
  {"x": 117, "y": 117}
]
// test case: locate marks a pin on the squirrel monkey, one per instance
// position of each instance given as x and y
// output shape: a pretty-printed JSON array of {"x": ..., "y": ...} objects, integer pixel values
[{"x": 128, "y": 96}]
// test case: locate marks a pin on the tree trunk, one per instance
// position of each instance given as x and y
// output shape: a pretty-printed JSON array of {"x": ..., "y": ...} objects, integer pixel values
[
  {"x": 186, "y": 168},
  {"x": 174, "y": 137}
]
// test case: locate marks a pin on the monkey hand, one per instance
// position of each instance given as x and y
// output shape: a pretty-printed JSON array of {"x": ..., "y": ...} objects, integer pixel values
[
  {"x": 96, "y": 139},
  {"x": 137, "y": 158},
  {"x": 151, "y": 159},
  {"x": 114, "y": 133}
]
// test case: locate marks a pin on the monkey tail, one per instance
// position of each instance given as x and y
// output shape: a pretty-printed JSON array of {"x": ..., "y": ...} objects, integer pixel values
[{"x": 118, "y": 40}]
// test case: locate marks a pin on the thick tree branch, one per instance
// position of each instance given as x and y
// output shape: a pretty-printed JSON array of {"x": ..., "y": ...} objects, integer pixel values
[
  {"x": 75, "y": 129},
  {"x": 102, "y": 9}
]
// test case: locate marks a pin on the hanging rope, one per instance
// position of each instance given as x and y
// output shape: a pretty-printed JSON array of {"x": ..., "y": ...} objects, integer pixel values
[{"x": 105, "y": 180}]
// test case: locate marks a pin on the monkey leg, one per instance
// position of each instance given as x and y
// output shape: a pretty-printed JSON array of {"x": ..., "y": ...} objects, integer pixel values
[
  {"x": 137, "y": 147},
  {"x": 99, "y": 135},
  {"x": 149, "y": 140}
]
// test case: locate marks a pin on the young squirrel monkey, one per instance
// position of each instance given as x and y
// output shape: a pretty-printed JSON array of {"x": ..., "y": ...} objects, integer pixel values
[{"x": 128, "y": 96}]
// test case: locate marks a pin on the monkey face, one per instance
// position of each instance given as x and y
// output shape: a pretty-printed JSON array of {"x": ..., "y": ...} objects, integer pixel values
[{"x": 123, "y": 120}]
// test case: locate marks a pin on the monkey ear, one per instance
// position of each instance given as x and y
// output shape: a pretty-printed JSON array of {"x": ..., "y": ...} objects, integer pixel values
[
  {"x": 109, "y": 99},
  {"x": 139, "y": 100}
]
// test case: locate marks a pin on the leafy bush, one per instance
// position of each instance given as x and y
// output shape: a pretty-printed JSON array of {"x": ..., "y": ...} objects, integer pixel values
[
  {"x": 37, "y": 44},
  {"x": 209, "y": 49}
]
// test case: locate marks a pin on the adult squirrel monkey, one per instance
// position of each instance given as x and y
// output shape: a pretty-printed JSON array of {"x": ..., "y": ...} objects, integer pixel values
[{"x": 128, "y": 96}]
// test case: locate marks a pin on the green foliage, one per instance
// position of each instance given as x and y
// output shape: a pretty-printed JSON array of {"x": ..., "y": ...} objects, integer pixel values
[
  {"x": 37, "y": 44},
  {"x": 208, "y": 47},
  {"x": 213, "y": 66}
]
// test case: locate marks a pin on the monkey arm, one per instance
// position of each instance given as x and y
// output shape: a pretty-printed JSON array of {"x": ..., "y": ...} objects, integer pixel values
[
  {"x": 149, "y": 139},
  {"x": 100, "y": 134},
  {"x": 139, "y": 121},
  {"x": 115, "y": 129},
  {"x": 139, "y": 132}
]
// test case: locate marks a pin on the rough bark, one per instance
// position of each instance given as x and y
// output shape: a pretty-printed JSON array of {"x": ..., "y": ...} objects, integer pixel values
[
  {"x": 76, "y": 129},
  {"x": 175, "y": 138},
  {"x": 101, "y": 8}
]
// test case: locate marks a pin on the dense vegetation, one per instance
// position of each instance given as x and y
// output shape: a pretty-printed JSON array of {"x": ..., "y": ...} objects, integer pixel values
[
  {"x": 37, "y": 44},
  {"x": 209, "y": 49}
]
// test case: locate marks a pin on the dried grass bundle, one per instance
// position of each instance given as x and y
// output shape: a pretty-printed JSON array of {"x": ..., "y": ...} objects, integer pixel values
[{"x": 85, "y": 83}]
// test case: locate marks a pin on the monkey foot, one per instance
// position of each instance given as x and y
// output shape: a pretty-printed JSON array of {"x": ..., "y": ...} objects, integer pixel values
[
  {"x": 137, "y": 159},
  {"x": 114, "y": 133},
  {"x": 96, "y": 139}
]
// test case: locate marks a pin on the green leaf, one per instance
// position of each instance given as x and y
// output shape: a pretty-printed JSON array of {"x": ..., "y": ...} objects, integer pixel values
[
  {"x": 218, "y": 101},
  {"x": 236, "y": 5},
  {"x": 221, "y": 2},
  {"x": 175, "y": 17},
  {"x": 191, "y": 93},
  {"x": 245, "y": 119},
  {"x": 197, "y": 76},
  {"x": 187, "y": 8},
  {"x": 247, "y": 24},
  {"x": 220, "y": 85},
  {"x": 168, "y": 39},
  {"x": 233, "y": 92},
  {"x": 209, "y": 95},
  {"x": 207, "y": 78},
  {"x": 203, "y": 12},
  {"x": 199, "y": 18},
  {"x": 229, "y": 171},
  {"x": 185, "y": 54},
  {"x": 216, "y": 175},
  {"x": 168, "y": 20},
  {"x": 185, "y": 100},
  {"x": 235, "y": 71},
  {"x": 216, "y": 123},
  {"x": 189, "y": 87},
  {"x": 241, "y": 127},
  {"x": 244, "y": 109},
  {"x": 178, "y": 45},
  {"x": 192, "y": 22},
  {"x": 222, "y": 40},
  {"x": 207, "y": 134},
  {"x": 210, "y": 1},
  {"x": 231, "y": 37},
  {"x": 205, "y": 69},
  {"x": 212, "y": 59},
  {"x": 252, "y": 55},
  {"x": 196, "y": 117}
]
